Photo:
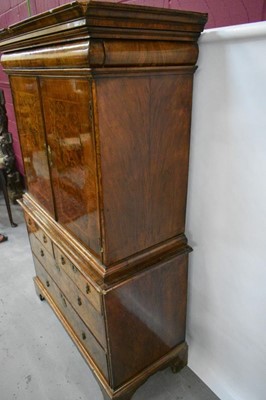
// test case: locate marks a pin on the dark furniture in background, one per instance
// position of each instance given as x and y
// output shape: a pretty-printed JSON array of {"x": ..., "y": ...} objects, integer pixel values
[
  {"x": 10, "y": 181},
  {"x": 103, "y": 97}
]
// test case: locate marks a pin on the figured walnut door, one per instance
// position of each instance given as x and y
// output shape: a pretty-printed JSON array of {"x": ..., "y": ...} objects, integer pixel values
[
  {"x": 72, "y": 157},
  {"x": 32, "y": 139}
]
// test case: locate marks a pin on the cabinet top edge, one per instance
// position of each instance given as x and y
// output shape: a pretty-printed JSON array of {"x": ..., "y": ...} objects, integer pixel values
[{"x": 97, "y": 14}]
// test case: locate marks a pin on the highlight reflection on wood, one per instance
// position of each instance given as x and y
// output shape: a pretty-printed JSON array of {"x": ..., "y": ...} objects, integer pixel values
[
  {"x": 72, "y": 157},
  {"x": 103, "y": 96},
  {"x": 144, "y": 160},
  {"x": 32, "y": 139}
]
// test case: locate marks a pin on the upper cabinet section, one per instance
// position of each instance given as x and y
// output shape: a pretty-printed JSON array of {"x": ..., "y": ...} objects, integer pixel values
[
  {"x": 96, "y": 34},
  {"x": 103, "y": 95}
]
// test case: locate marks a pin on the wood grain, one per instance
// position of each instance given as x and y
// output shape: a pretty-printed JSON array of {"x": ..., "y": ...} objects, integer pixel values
[
  {"x": 105, "y": 91},
  {"x": 144, "y": 160},
  {"x": 72, "y": 159},
  {"x": 83, "y": 307},
  {"x": 32, "y": 139},
  {"x": 146, "y": 317},
  {"x": 104, "y": 19}
]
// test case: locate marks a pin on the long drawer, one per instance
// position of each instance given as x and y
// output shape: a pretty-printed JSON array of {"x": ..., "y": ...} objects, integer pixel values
[
  {"x": 73, "y": 272},
  {"x": 91, "y": 317},
  {"x": 81, "y": 331}
]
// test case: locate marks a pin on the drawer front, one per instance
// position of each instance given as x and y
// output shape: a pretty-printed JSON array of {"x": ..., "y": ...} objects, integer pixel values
[
  {"x": 31, "y": 225},
  {"x": 39, "y": 233},
  {"x": 81, "y": 331},
  {"x": 92, "y": 318},
  {"x": 45, "y": 240},
  {"x": 76, "y": 276},
  {"x": 40, "y": 251}
]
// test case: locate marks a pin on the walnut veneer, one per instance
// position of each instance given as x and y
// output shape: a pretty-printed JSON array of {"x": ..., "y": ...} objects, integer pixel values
[{"x": 103, "y": 96}]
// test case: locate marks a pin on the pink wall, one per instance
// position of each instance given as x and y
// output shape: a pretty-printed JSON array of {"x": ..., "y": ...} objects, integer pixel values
[
  {"x": 221, "y": 13},
  {"x": 11, "y": 11}
]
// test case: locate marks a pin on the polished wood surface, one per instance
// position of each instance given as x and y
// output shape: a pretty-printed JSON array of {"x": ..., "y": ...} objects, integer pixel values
[
  {"x": 104, "y": 20},
  {"x": 85, "y": 336},
  {"x": 144, "y": 185},
  {"x": 103, "y": 97},
  {"x": 146, "y": 317},
  {"x": 27, "y": 103},
  {"x": 44, "y": 294},
  {"x": 103, "y": 53},
  {"x": 92, "y": 318},
  {"x": 63, "y": 262},
  {"x": 71, "y": 155}
]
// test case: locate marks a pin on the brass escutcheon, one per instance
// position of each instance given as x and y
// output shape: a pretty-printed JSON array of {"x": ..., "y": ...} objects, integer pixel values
[{"x": 74, "y": 269}]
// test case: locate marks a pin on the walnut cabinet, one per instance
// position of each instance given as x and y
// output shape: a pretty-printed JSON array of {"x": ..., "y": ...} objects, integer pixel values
[{"x": 103, "y": 95}]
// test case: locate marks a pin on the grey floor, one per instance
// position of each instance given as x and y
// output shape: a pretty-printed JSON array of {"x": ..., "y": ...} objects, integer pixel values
[{"x": 37, "y": 357}]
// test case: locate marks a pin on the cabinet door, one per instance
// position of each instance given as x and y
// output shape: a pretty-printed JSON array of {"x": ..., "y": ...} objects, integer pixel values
[
  {"x": 72, "y": 156},
  {"x": 32, "y": 139}
]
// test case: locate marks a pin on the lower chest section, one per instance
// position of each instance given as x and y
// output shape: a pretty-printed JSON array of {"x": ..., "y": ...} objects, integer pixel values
[{"x": 121, "y": 330}]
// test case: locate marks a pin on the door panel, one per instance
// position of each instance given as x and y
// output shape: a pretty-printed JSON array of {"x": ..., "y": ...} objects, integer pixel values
[
  {"x": 72, "y": 159},
  {"x": 32, "y": 139}
]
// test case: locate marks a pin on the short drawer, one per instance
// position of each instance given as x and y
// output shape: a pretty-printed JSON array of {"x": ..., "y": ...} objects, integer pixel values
[
  {"x": 84, "y": 335},
  {"x": 76, "y": 276},
  {"x": 40, "y": 251},
  {"x": 31, "y": 224},
  {"x": 92, "y": 318},
  {"x": 33, "y": 228}
]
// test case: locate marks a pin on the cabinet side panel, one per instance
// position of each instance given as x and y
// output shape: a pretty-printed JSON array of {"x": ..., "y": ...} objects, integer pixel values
[
  {"x": 32, "y": 139},
  {"x": 72, "y": 156},
  {"x": 146, "y": 317},
  {"x": 144, "y": 128}
]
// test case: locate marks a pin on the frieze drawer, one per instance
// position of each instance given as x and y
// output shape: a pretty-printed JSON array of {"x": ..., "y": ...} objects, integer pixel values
[{"x": 81, "y": 331}]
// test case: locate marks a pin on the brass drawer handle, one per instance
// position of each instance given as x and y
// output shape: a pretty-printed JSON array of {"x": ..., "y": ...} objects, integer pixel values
[
  {"x": 63, "y": 261},
  {"x": 88, "y": 289},
  {"x": 47, "y": 283},
  {"x": 29, "y": 221},
  {"x": 79, "y": 301},
  {"x": 83, "y": 335},
  {"x": 64, "y": 300},
  {"x": 74, "y": 269},
  {"x": 57, "y": 267},
  {"x": 44, "y": 238},
  {"x": 42, "y": 253}
]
